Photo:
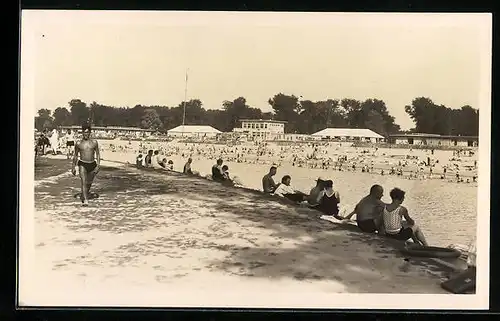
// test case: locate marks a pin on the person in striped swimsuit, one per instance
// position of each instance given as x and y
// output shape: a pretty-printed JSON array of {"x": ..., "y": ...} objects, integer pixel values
[{"x": 394, "y": 225}]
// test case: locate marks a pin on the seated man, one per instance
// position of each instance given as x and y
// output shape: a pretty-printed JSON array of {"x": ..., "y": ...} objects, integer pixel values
[
  {"x": 268, "y": 184},
  {"x": 395, "y": 227},
  {"x": 287, "y": 191},
  {"x": 217, "y": 171},
  {"x": 316, "y": 193},
  {"x": 148, "y": 159},
  {"x": 369, "y": 211}
]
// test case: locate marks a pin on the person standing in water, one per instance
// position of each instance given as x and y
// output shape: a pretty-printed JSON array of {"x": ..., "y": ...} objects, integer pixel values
[{"x": 88, "y": 159}]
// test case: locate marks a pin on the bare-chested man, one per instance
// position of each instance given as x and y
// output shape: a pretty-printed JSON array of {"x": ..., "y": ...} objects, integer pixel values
[{"x": 88, "y": 159}]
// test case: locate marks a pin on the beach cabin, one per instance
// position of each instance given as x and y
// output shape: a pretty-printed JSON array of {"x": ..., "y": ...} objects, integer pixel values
[
  {"x": 434, "y": 140},
  {"x": 299, "y": 138},
  {"x": 113, "y": 131},
  {"x": 349, "y": 134},
  {"x": 194, "y": 131},
  {"x": 261, "y": 129}
]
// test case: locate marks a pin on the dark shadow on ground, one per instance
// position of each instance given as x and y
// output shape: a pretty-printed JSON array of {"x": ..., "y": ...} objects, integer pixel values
[
  {"x": 47, "y": 167},
  {"x": 128, "y": 198}
]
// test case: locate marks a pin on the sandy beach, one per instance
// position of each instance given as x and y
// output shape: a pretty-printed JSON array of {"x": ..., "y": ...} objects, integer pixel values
[{"x": 165, "y": 231}]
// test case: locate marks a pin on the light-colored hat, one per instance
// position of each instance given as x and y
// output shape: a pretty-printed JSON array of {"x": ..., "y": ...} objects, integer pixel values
[{"x": 322, "y": 178}]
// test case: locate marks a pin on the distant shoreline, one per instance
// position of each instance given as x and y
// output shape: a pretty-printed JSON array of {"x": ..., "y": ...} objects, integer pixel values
[{"x": 286, "y": 142}]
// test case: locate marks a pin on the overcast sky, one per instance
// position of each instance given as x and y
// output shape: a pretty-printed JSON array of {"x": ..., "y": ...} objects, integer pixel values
[{"x": 129, "y": 58}]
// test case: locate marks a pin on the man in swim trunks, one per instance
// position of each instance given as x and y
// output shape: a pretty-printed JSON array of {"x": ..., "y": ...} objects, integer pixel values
[
  {"x": 369, "y": 211},
  {"x": 70, "y": 143},
  {"x": 88, "y": 159}
]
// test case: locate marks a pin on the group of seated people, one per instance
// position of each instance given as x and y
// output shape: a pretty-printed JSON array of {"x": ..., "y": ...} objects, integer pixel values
[
  {"x": 220, "y": 173},
  {"x": 375, "y": 216},
  {"x": 321, "y": 197},
  {"x": 153, "y": 160},
  {"x": 372, "y": 214}
]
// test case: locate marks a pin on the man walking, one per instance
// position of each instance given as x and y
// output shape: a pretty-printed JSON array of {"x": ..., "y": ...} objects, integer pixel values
[{"x": 88, "y": 159}]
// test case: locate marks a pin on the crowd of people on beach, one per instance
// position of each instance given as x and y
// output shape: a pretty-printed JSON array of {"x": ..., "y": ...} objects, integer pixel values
[
  {"x": 55, "y": 142},
  {"x": 372, "y": 214},
  {"x": 327, "y": 156}
]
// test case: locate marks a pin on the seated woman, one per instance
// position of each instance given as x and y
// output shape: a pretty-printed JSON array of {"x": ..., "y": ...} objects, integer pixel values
[
  {"x": 139, "y": 161},
  {"x": 163, "y": 163},
  {"x": 287, "y": 191},
  {"x": 329, "y": 202},
  {"x": 225, "y": 173},
  {"x": 395, "y": 227}
]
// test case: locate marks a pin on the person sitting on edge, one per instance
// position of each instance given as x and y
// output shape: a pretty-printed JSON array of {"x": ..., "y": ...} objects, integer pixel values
[
  {"x": 217, "y": 171},
  {"x": 395, "y": 227},
  {"x": 225, "y": 173},
  {"x": 147, "y": 159},
  {"x": 329, "y": 202},
  {"x": 156, "y": 160},
  {"x": 187, "y": 167},
  {"x": 138, "y": 161},
  {"x": 163, "y": 163},
  {"x": 369, "y": 211},
  {"x": 268, "y": 184},
  {"x": 316, "y": 193},
  {"x": 287, "y": 191}
]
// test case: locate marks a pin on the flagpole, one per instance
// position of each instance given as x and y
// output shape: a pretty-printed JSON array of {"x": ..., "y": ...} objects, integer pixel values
[{"x": 184, "y": 105}]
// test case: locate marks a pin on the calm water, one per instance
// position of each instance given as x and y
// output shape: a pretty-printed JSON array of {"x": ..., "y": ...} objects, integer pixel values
[{"x": 446, "y": 211}]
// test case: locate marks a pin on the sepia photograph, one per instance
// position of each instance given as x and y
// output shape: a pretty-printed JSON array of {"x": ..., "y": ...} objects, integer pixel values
[{"x": 254, "y": 160}]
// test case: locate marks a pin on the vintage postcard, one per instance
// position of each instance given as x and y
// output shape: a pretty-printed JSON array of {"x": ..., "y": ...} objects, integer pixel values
[{"x": 255, "y": 160}]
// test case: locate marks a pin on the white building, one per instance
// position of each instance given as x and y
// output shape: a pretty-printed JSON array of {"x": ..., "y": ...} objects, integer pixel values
[
  {"x": 193, "y": 131},
  {"x": 355, "y": 134},
  {"x": 260, "y": 129},
  {"x": 434, "y": 140}
]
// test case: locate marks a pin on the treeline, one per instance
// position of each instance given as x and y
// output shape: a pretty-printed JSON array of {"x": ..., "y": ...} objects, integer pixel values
[
  {"x": 302, "y": 116},
  {"x": 431, "y": 118}
]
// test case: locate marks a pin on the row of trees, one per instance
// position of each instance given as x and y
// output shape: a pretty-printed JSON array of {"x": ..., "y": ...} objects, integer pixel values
[
  {"x": 439, "y": 119},
  {"x": 302, "y": 116}
]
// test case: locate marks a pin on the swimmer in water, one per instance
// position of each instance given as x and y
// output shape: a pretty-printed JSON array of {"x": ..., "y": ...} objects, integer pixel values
[{"x": 88, "y": 159}]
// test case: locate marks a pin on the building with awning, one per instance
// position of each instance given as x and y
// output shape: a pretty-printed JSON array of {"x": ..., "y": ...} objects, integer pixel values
[
  {"x": 113, "y": 131},
  {"x": 194, "y": 131},
  {"x": 423, "y": 139},
  {"x": 354, "y": 134}
]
